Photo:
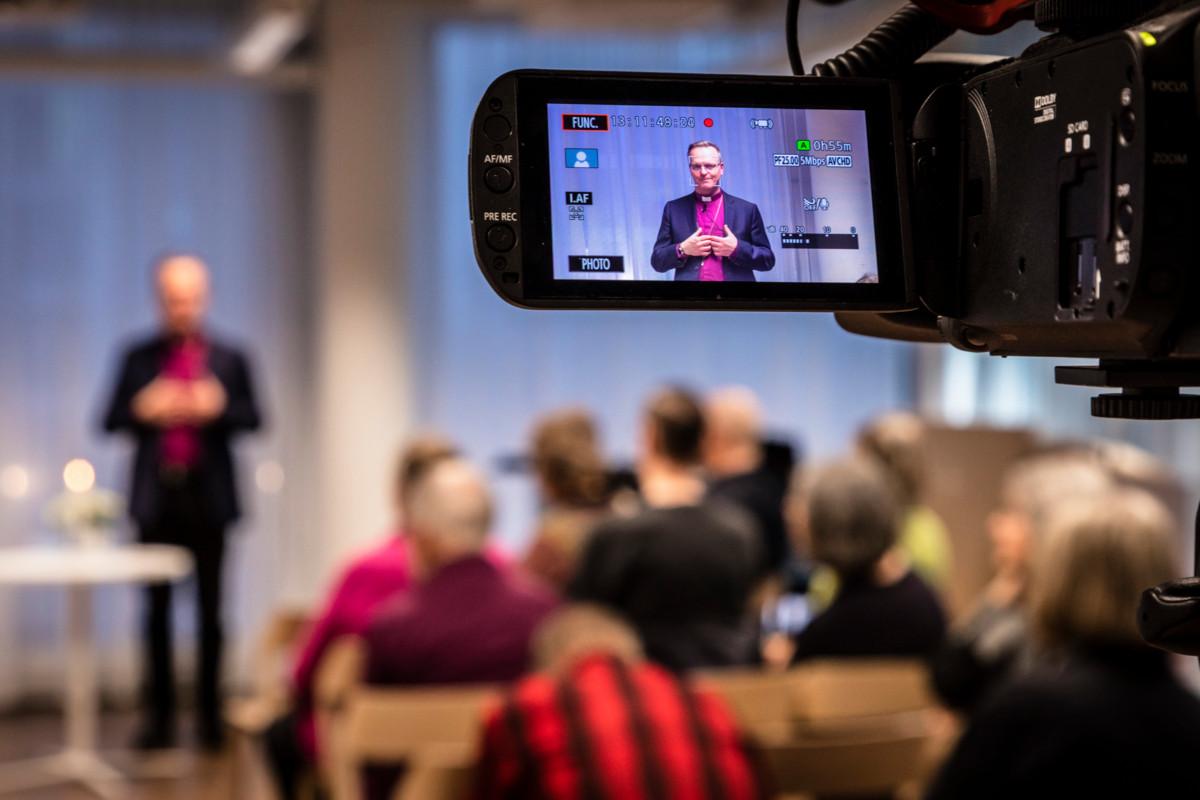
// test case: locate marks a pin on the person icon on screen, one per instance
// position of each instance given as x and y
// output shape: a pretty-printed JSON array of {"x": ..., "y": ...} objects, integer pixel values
[
  {"x": 708, "y": 234},
  {"x": 581, "y": 160}
]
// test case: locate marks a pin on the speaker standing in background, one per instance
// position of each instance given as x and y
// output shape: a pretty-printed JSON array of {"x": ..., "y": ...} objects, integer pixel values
[{"x": 183, "y": 395}]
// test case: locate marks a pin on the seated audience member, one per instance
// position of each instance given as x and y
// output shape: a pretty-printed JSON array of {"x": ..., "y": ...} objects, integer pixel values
[
  {"x": 599, "y": 721},
  {"x": 882, "y": 607},
  {"x": 993, "y": 641},
  {"x": 682, "y": 571},
  {"x": 573, "y": 487},
  {"x": 367, "y": 582},
  {"x": 733, "y": 457},
  {"x": 1102, "y": 715},
  {"x": 895, "y": 441},
  {"x": 466, "y": 621}
]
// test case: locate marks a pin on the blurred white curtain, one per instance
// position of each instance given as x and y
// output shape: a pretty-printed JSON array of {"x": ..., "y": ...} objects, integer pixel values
[{"x": 98, "y": 177}]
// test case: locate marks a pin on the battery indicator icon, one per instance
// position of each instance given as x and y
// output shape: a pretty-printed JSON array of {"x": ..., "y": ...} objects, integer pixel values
[
  {"x": 803, "y": 145},
  {"x": 762, "y": 124}
]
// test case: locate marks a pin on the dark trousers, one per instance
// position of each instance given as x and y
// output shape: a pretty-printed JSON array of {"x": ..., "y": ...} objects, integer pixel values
[
  {"x": 286, "y": 758},
  {"x": 183, "y": 522}
]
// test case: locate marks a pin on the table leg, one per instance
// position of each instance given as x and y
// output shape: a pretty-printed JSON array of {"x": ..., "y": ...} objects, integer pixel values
[
  {"x": 80, "y": 707},
  {"x": 78, "y": 762}
]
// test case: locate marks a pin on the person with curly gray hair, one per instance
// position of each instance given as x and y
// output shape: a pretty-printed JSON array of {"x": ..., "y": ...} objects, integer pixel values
[{"x": 851, "y": 516}]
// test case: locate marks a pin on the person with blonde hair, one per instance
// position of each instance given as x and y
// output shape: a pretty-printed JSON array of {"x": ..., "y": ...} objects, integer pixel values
[
  {"x": 896, "y": 442},
  {"x": 573, "y": 487},
  {"x": 993, "y": 641},
  {"x": 1102, "y": 716}
]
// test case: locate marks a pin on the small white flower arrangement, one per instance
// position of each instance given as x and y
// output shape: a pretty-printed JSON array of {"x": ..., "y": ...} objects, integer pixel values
[{"x": 86, "y": 517}]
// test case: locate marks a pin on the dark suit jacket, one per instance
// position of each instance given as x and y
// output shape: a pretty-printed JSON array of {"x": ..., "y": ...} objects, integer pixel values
[
  {"x": 139, "y": 366},
  {"x": 679, "y": 222}
]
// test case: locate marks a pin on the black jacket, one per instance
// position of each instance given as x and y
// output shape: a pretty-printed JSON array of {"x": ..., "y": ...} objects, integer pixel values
[
  {"x": 139, "y": 366},
  {"x": 682, "y": 576},
  {"x": 1107, "y": 722}
]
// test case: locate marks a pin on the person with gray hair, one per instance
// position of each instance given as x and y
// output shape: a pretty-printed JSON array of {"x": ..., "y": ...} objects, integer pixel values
[
  {"x": 882, "y": 608},
  {"x": 467, "y": 621},
  {"x": 1102, "y": 715}
]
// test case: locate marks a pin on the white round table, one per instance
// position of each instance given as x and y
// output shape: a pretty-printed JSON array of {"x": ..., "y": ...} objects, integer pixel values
[{"x": 79, "y": 569}]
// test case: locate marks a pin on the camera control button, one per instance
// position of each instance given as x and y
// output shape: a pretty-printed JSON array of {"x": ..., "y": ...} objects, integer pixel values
[
  {"x": 501, "y": 238},
  {"x": 1125, "y": 219},
  {"x": 497, "y": 128},
  {"x": 1127, "y": 125},
  {"x": 498, "y": 179}
]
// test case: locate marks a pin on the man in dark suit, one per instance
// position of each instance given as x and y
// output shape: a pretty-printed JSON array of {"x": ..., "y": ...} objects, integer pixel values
[
  {"x": 710, "y": 235},
  {"x": 183, "y": 395}
]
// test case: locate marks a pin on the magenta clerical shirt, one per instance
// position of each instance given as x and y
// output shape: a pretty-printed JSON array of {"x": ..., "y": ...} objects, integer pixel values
[
  {"x": 710, "y": 217},
  {"x": 186, "y": 361}
]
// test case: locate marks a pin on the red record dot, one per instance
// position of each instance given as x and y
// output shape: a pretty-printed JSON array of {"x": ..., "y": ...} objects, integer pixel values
[{"x": 708, "y": 122}]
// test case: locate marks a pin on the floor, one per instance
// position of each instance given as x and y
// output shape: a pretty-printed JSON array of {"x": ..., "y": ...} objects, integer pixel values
[{"x": 237, "y": 773}]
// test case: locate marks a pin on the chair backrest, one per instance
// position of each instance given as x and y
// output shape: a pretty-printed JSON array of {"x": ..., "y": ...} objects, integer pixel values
[
  {"x": 434, "y": 731},
  {"x": 338, "y": 672},
  {"x": 269, "y": 680},
  {"x": 759, "y": 700},
  {"x": 862, "y": 766},
  {"x": 409, "y": 724},
  {"x": 859, "y": 694}
]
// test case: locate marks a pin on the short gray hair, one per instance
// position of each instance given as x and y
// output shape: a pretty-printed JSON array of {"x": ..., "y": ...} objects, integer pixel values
[
  {"x": 1036, "y": 485},
  {"x": 705, "y": 143},
  {"x": 733, "y": 413},
  {"x": 451, "y": 504},
  {"x": 853, "y": 515}
]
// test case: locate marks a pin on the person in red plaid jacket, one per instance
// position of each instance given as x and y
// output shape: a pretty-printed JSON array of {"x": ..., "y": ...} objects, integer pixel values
[{"x": 601, "y": 723}]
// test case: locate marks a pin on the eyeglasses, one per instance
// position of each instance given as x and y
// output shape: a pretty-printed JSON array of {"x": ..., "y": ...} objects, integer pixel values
[{"x": 698, "y": 167}]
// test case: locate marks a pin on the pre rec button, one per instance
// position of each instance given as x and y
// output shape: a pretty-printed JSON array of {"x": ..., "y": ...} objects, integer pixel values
[
  {"x": 501, "y": 238},
  {"x": 497, "y": 128},
  {"x": 498, "y": 179}
]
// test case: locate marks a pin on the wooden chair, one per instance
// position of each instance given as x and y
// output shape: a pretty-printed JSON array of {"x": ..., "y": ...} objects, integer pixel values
[
  {"x": 860, "y": 727},
  {"x": 865, "y": 766},
  {"x": 433, "y": 731},
  {"x": 840, "y": 696},
  {"x": 270, "y": 683},
  {"x": 338, "y": 672},
  {"x": 760, "y": 700}
]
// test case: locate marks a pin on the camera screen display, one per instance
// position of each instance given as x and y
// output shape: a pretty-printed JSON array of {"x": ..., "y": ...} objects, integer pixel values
[{"x": 693, "y": 193}]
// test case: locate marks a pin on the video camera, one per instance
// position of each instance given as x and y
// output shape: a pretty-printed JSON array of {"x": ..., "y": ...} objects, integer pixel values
[{"x": 1037, "y": 205}]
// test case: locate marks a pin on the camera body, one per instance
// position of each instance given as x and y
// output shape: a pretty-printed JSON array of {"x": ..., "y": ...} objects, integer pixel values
[
  {"x": 1073, "y": 214},
  {"x": 1039, "y": 206}
]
